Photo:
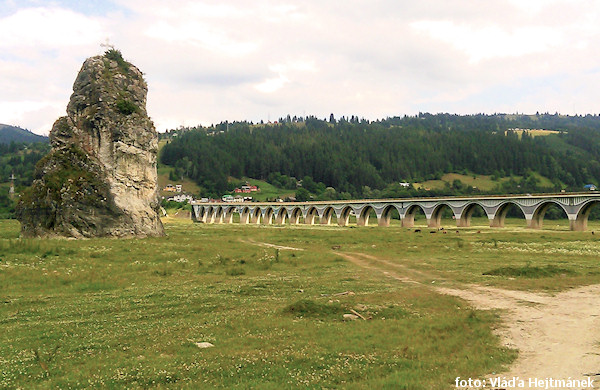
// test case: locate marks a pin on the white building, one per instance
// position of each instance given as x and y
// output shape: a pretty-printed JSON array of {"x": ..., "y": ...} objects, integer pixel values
[{"x": 182, "y": 198}]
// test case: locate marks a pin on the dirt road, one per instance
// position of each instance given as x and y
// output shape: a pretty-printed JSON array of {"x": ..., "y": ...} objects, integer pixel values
[{"x": 557, "y": 336}]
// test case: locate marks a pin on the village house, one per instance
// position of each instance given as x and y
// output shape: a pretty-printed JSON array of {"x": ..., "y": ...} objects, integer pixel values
[
  {"x": 181, "y": 198},
  {"x": 246, "y": 189}
]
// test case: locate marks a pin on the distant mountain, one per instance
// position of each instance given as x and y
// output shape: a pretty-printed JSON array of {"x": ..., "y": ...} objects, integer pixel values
[{"x": 9, "y": 134}]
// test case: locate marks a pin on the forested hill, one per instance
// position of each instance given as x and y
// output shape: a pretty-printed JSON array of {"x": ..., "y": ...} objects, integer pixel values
[
  {"x": 10, "y": 134},
  {"x": 354, "y": 156}
]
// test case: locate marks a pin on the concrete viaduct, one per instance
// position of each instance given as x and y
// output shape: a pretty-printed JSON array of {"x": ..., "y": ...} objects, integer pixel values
[{"x": 577, "y": 207}]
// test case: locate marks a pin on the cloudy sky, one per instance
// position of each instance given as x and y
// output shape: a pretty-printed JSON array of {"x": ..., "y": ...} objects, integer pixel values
[{"x": 211, "y": 61}]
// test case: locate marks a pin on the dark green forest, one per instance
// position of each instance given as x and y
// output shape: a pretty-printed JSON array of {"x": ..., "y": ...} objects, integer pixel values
[
  {"x": 18, "y": 159},
  {"x": 343, "y": 158},
  {"x": 10, "y": 134},
  {"x": 359, "y": 158}
]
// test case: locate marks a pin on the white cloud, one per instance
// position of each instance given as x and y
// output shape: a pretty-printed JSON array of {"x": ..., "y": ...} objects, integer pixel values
[
  {"x": 487, "y": 42},
  {"x": 284, "y": 72},
  {"x": 208, "y": 61},
  {"x": 204, "y": 36},
  {"x": 48, "y": 28}
]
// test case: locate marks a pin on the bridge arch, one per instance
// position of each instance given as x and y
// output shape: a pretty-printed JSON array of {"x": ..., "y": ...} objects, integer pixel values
[
  {"x": 295, "y": 216},
  {"x": 467, "y": 214},
  {"x": 282, "y": 216},
  {"x": 245, "y": 215},
  {"x": 409, "y": 216},
  {"x": 326, "y": 216},
  {"x": 268, "y": 216},
  {"x": 255, "y": 215},
  {"x": 500, "y": 215},
  {"x": 344, "y": 216},
  {"x": 581, "y": 220},
  {"x": 228, "y": 214},
  {"x": 218, "y": 215},
  {"x": 362, "y": 219},
  {"x": 436, "y": 216},
  {"x": 386, "y": 215},
  {"x": 311, "y": 215},
  {"x": 210, "y": 214},
  {"x": 201, "y": 215},
  {"x": 537, "y": 219}
]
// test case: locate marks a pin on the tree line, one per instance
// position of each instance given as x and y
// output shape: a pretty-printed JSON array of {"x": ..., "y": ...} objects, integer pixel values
[
  {"x": 358, "y": 157},
  {"x": 17, "y": 159}
]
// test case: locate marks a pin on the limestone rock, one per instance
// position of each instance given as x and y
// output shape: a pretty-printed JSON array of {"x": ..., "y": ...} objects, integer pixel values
[
  {"x": 100, "y": 178},
  {"x": 350, "y": 317},
  {"x": 204, "y": 344}
]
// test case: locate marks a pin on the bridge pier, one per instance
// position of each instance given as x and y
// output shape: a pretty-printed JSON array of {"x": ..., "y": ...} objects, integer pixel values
[
  {"x": 228, "y": 215},
  {"x": 281, "y": 217},
  {"x": 295, "y": 216},
  {"x": 311, "y": 215},
  {"x": 255, "y": 216},
  {"x": 408, "y": 221},
  {"x": 343, "y": 216},
  {"x": 267, "y": 217},
  {"x": 578, "y": 225},
  {"x": 434, "y": 222}
]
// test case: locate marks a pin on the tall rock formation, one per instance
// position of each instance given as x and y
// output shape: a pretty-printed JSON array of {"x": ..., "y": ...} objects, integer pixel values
[{"x": 99, "y": 179}]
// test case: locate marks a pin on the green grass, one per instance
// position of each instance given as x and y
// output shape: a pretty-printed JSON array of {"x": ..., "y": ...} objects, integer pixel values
[
  {"x": 108, "y": 313},
  {"x": 482, "y": 182},
  {"x": 188, "y": 186},
  {"x": 267, "y": 190},
  {"x": 530, "y": 272}
]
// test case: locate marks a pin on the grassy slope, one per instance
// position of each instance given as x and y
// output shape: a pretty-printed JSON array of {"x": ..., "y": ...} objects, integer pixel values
[
  {"x": 111, "y": 313},
  {"x": 266, "y": 190},
  {"x": 189, "y": 186},
  {"x": 482, "y": 182}
]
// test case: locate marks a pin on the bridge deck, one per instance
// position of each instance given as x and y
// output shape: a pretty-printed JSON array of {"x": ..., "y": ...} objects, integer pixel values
[{"x": 576, "y": 206}]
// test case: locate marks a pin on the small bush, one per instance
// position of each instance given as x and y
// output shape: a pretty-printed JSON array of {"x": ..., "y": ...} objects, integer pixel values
[
  {"x": 530, "y": 272},
  {"x": 235, "y": 271},
  {"x": 221, "y": 260},
  {"x": 309, "y": 308},
  {"x": 164, "y": 272},
  {"x": 126, "y": 107},
  {"x": 115, "y": 55}
]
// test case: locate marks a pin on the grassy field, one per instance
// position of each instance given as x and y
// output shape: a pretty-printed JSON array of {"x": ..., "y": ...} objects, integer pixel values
[
  {"x": 267, "y": 190},
  {"x": 535, "y": 132},
  {"x": 188, "y": 186},
  {"x": 482, "y": 182},
  {"x": 106, "y": 313}
]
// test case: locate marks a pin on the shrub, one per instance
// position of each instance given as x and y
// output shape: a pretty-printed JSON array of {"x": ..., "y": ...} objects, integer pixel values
[
  {"x": 235, "y": 271},
  {"x": 115, "y": 55},
  {"x": 529, "y": 272},
  {"x": 126, "y": 107},
  {"x": 309, "y": 308}
]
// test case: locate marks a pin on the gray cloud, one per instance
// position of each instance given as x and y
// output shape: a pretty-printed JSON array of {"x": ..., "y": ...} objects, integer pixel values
[{"x": 209, "y": 61}]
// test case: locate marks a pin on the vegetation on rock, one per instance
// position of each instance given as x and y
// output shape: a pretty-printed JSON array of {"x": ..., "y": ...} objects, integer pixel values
[{"x": 126, "y": 107}]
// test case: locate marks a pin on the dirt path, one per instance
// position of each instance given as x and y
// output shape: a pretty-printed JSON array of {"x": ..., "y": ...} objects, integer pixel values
[
  {"x": 358, "y": 259},
  {"x": 558, "y": 336}
]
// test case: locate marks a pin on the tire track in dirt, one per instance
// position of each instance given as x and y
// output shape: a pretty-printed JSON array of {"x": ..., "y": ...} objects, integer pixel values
[{"x": 355, "y": 258}]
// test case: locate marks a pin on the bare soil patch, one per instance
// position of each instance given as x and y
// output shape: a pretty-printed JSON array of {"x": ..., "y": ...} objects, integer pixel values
[{"x": 267, "y": 245}]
